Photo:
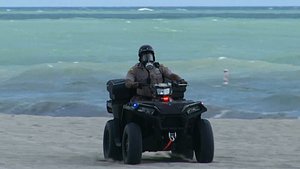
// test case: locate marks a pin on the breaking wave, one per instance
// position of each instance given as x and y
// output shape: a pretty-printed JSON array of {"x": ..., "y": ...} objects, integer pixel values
[
  {"x": 158, "y": 12},
  {"x": 151, "y": 16},
  {"x": 145, "y": 9},
  {"x": 68, "y": 89}
]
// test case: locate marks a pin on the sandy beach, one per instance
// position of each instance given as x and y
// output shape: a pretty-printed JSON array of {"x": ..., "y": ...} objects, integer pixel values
[{"x": 73, "y": 142}]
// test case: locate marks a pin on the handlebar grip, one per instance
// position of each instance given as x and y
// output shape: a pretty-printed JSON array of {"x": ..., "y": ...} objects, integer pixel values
[{"x": 182, "y": 84}]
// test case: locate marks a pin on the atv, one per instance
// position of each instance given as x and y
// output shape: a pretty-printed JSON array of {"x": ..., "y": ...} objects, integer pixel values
[{"x": 167, "y": 122}]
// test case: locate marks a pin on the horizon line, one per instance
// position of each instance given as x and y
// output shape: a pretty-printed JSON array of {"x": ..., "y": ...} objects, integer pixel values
[{"x": 227, "y": 6}]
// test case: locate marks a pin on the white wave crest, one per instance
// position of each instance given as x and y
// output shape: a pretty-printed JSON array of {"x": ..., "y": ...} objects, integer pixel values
[
  {"x": 145, "y": 9},
  {"x": 222, "y": 114},
  {"x": 222, "y": 58},
  {"x": 181, "y": 9}
]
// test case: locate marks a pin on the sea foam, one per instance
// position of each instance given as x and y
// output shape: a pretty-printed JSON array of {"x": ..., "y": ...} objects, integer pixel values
[{"x": 145, "y": 9}]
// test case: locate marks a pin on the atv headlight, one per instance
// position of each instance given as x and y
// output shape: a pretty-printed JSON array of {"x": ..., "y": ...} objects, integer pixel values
[
  {"x": 192, "y": 109},
  {"x": 147, "y": 110}
]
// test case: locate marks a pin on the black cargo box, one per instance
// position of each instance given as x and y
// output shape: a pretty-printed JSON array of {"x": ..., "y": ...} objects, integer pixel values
[
  {"x": 118, "y": 91},
  {"x": 178, "y": 92}
]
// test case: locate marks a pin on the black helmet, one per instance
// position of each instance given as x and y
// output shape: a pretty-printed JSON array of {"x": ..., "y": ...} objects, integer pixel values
[{"x": 146, "y": 49}]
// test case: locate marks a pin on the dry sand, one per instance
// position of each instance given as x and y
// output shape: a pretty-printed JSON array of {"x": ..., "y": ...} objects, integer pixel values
[{"x": 72, "y": 142}]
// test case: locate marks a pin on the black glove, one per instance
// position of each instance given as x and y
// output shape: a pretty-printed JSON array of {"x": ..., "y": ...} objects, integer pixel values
[
  {"x": 156, "y": 64},
  {"x": 182, "y": 81}
]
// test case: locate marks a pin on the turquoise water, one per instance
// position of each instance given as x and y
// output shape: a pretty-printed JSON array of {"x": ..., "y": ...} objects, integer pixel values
[{"x": 56, "y": 61}]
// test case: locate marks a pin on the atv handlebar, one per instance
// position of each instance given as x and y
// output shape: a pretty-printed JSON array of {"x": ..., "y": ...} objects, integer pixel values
[{"x": 173, "y": 83}]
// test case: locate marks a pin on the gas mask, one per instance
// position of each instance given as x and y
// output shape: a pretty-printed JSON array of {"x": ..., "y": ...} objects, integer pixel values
[{"x": 147, "y": 60}]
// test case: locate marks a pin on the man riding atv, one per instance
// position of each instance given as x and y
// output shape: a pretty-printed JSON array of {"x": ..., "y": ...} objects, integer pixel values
[
  {"x": 151, "y": 114},
  {"x": 148, "y": 72}
]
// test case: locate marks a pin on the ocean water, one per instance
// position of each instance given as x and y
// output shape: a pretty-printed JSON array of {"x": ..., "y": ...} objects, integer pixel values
[{"x": 56, "y": 61}]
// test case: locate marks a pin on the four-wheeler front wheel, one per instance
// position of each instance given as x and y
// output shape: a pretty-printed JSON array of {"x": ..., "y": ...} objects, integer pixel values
[
  {"x": 204, "y": 142},
  {"x": 132, "y": 144},
  {"x": 110, "y": 150}
]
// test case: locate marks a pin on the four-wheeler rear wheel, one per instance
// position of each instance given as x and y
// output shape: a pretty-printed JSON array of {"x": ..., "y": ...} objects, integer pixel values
[
  {"x": 204, "y": 142},
  {"x": 110, "y": 150},
  {"x": 132, "y": 144}
]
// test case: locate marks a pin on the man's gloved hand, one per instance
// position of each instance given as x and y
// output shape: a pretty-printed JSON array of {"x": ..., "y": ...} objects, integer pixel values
[{"x": 182, "y": 81}]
